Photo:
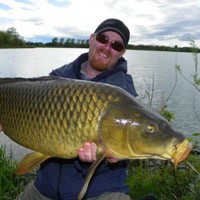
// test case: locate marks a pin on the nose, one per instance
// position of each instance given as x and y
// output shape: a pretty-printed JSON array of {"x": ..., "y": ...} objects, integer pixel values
[{"x": 108, "y": 46}]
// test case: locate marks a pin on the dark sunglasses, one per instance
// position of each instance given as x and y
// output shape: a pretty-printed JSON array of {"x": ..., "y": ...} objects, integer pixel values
[{"x": 104, "y": 39}]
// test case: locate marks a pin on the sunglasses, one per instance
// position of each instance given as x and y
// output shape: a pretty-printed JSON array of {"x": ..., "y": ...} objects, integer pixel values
[{"x": 104, "y": 39}]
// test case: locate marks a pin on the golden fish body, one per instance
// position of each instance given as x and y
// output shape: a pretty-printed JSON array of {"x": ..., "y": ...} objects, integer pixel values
[{"x": 55, "y": 116}]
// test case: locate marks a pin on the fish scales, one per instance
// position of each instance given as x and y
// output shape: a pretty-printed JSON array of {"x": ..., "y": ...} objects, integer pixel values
[{"x": 65, "y": 113}]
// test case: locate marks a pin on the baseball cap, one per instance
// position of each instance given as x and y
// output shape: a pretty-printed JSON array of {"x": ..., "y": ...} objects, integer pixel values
[{"x": 115, "y": 25}]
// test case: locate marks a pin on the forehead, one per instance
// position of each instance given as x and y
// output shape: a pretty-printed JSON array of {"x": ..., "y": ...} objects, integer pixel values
[{"x": 113, "y": 35}]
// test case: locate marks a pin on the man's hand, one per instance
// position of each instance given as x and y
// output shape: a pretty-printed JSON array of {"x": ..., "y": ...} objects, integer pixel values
[{"x": 87, "y": 153}]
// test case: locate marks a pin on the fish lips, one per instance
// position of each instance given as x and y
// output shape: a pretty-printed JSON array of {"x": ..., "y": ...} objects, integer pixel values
[{"x": 182, "y": 152}]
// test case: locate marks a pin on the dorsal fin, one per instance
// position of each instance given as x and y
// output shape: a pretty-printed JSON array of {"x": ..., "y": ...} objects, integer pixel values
[{"x": 21, "y": 79}]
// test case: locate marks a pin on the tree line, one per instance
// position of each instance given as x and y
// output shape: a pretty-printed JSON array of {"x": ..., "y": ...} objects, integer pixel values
[
  {"x": 11, "y": 39},
  {"x": 62, "y": 42}
]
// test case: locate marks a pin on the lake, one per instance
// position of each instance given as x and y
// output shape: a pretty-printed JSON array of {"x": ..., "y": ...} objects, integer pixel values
[{"x": 148, "y": 68}]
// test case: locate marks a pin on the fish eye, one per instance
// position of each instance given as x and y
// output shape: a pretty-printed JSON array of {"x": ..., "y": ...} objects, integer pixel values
[{"x": 151, "y": 128}]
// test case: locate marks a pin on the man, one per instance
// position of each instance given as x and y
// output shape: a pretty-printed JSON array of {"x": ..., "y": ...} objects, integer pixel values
[{"x": 64, "y": 178}]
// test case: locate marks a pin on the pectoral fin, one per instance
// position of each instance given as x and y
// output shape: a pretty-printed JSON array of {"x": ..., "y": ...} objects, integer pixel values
[
  {"x": 91, "y": 171},
  {"x": 30, "y": 161}
]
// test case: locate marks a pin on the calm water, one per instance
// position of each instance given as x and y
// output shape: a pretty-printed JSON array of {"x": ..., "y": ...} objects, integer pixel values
[{"x": 144, "y": 66}]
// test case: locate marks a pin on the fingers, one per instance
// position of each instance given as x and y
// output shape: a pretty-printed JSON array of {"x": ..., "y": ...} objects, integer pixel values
[{"x": 87, "y": 153}]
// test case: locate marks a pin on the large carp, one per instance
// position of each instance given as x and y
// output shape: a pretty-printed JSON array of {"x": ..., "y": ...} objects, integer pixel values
[{"x": 56, "y": 116}]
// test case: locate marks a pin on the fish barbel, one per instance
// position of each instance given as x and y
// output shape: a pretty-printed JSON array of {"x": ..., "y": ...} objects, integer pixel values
[{"x": 55, "y": 116}]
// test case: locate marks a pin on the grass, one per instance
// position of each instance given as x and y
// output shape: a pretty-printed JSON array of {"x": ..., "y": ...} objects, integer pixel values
[
  {"x": 10, "y": 184},
  {"x": 144, "y": 177},
  {"x": 164, "y": 181}
]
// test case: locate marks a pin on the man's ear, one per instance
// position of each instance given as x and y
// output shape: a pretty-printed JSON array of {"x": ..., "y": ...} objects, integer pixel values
[{"x": 92, "y": 38}]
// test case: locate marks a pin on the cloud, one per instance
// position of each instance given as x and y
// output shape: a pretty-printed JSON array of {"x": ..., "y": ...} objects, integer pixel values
[{"x": 150, "y": 21}]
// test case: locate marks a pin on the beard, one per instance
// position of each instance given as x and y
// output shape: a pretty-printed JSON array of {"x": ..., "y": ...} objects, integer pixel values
[{"x": 98, "y": 63}]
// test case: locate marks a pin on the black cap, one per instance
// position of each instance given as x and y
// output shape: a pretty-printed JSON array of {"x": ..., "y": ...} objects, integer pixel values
[{"x": 114, "y": 25}]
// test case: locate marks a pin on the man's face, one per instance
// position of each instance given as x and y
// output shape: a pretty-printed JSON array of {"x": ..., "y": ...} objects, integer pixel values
[{"x": 103, "y": 56}]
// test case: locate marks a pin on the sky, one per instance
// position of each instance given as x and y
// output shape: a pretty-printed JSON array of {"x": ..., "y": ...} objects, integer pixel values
[{"x": 151, "y": 22}]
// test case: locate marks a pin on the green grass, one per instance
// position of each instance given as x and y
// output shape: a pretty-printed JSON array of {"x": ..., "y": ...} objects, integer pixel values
[
  {"x": 10, "y": 184},
  {"x": 164, "y": 181}
]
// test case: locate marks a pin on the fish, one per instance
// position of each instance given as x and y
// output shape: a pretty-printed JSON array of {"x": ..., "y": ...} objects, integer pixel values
[{"x": 55, "y": 116}]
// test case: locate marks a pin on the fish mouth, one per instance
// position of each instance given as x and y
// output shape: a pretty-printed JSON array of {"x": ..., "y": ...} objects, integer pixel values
[{"x": 181, "y": 152}]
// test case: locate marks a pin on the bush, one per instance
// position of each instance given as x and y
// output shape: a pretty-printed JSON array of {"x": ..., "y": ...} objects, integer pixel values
[{"x": 161, "y": 179}]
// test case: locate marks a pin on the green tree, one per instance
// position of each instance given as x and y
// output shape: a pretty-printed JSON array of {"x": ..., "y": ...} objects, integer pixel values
[
  {"x": 55, "y": 41},
  {"x": 11, "y": 38},
  {"x": 61, "y": 41}
]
